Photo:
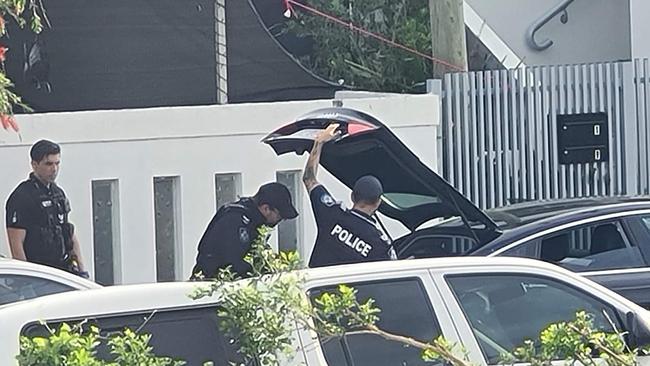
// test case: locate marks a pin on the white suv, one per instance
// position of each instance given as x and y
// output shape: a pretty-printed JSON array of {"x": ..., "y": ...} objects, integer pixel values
[
  {"x": 489, "y": 305},
  {"x": 20, "y": 280}
]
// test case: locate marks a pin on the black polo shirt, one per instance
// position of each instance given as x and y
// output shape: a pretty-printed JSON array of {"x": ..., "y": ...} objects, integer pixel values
[
  {"x": 41, "y": 211},
  {"x": 228, "y": 238},
  {"x": 344, "y": 236}
]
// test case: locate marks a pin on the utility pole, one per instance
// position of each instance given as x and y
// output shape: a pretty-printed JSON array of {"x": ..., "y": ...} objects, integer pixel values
[{"x": 447, "y": 35}]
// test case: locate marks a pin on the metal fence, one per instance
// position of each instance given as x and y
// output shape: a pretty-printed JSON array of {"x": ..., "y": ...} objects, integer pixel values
[{"x": 500, "y": 131}]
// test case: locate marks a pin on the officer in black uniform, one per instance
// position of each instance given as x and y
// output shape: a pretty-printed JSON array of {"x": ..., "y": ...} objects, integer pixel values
[
  {"x": 37, "y": 215},
  {"x": 344, "y": 236},
  {"x": 234, "y": 227}
]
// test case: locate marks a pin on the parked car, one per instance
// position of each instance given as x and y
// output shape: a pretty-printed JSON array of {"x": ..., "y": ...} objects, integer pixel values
[
  {"x": 20, "y": 280},
  {"x": 487, "y": 305},
  {"x": 606, "y": 239}
]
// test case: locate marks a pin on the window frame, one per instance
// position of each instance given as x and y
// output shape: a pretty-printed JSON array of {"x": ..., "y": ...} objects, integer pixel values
[
  {"x": 437, "y": 323},
  {"x": 49, "y": 280},
  {"x": 176, "y": 221},
  {"x": 94, "y": 319},
  {"x": 115, "y": 245},
  {"x": 406, "y": 247},
  {"x": 298, "y": 197},
  {"x": 621, "y": 219},
  {"x": 615, "y": 310},
  {"x": 640, "y": 234}
]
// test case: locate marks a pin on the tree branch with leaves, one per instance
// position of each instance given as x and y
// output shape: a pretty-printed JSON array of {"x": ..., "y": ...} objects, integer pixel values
[{"x": 25, "y": 13}]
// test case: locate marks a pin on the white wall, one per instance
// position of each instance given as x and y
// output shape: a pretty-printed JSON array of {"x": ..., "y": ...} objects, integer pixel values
[
  {"x": 193, "y": 143},
  {"x": 596, "y": 31},
  {"x": 639, "y": 10}
]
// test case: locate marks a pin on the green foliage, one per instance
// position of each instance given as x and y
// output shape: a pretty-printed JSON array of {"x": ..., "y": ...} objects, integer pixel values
[
  {"x": 264, "y": 260},
  {"x": 440, "y": 349},
  {"x": 68, "y": 346},
  {"x": 363, "y": 62},
  {"x": 131, "y": 348},
  {"x": 574, "y": 341},
  {"x": 257, "y": 312},
  {"x": 23, "y": 12},
  {"x": 75, "y": 346},
  {"x": 339, "y": 312}
]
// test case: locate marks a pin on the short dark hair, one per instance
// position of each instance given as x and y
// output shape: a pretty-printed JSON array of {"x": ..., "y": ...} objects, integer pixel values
[
  {"x": 43, "y": 148},
  {"x": 367, "y": 189}
]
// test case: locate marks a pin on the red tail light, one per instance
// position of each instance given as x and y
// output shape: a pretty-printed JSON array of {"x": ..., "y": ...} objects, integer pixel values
[{"x": 355, "y": 127}]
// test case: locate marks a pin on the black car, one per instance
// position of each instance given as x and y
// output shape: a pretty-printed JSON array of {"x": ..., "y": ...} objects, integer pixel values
[{"x": 606, "y": 238}]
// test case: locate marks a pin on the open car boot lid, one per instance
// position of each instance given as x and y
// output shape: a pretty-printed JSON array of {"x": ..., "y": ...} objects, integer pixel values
[{"x": 413, "y": 193}]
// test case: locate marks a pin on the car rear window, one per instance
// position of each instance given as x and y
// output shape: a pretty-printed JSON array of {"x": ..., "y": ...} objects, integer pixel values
[
  {"x": 19, "y": 287},
  {"x": 189, "y": 334}
]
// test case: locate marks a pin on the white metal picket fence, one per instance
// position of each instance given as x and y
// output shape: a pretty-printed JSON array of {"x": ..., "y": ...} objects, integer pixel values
[{"x": 500, "y": 131}]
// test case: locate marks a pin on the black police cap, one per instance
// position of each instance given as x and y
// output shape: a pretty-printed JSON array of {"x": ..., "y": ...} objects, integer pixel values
[{"x": 277, "y": 196}]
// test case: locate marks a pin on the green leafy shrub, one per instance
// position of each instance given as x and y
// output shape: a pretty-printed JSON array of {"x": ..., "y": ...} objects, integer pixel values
[
  {"x": 358, "y": 60},
  {"x": 76, "y": 346}
]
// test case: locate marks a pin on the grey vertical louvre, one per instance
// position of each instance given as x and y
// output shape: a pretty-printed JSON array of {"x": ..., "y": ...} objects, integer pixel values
[
  {"x": 166, "y": 222},
  {"x": 500, "y": 131},
  {"x": 105, "y": 231},
  {"x": 482, "y": 156},
  {"x": 227, "y": 188},
  {"x": 288, "y": 230}
]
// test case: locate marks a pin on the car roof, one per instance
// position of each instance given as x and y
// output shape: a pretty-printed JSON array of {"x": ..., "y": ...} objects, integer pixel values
[
  {"x": 520, "y": 214},
  {"x": 140, "y": 297},
  {"x": 14, "y": 266}
]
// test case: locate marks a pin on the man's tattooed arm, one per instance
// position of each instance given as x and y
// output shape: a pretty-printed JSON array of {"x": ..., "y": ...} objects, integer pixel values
[{"x": 311, "y": 168}]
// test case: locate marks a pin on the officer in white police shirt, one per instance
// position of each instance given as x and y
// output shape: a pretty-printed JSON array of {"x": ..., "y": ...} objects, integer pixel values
[
  {"x": 234, "y": 227},
  {"x": 344, "y": 236}
]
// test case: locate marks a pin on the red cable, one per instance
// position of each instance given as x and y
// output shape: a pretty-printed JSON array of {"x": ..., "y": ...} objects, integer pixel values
[{"x": 371, "y": 34}]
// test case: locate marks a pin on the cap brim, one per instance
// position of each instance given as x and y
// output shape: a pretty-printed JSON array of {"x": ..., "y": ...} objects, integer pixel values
[{"x": 289, "y": 213}]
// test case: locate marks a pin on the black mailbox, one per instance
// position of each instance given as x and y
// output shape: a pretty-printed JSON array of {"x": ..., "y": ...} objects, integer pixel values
[{"x": 582, "y": 138}]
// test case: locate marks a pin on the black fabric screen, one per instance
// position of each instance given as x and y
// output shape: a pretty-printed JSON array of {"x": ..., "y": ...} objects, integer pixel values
[
  {"x": 148, "y": 53},
  {"x": 118, "y": 54},
  {"x": 259, "y": 68}
]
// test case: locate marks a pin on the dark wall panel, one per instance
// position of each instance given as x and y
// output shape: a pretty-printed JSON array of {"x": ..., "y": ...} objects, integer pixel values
[
  {"x": 259, "y": 68},
  {"x": 119, "y": 54}
]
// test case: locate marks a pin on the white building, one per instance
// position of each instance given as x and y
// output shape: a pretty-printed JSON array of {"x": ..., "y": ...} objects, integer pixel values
[
  {"x": 149, "y": 180},
  {"x": 582, "y": 31}
]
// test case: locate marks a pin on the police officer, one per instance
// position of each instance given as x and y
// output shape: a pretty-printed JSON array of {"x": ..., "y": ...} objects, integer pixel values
[
  {"x": 344, "y": 236},
  {"x": 234, "y": 227},
  {"x": 37, "y": 215}
]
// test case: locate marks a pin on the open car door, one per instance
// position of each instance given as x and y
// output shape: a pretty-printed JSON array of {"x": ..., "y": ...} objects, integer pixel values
[{"x": 413, "y": 193}]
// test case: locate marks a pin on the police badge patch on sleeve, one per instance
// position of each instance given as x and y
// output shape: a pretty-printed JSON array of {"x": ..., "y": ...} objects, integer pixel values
[
  {"x": 327, "y": 200},
  {"x": 243, "y": 235}
]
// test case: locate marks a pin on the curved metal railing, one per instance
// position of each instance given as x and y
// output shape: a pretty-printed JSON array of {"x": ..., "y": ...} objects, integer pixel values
[{"x": 539, "y": 23}]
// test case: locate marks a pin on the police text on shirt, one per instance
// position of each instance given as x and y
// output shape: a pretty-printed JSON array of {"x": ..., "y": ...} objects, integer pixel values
[{"x": 344, "y": 236}]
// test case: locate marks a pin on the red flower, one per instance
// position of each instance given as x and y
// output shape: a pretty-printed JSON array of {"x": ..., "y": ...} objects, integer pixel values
[
  {"x": 3, "y": 51},
  {"x": 8, "y": 122}
]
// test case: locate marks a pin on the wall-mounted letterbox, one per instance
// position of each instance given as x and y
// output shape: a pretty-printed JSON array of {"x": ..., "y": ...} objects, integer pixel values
[{"x": 582, "y": 138}]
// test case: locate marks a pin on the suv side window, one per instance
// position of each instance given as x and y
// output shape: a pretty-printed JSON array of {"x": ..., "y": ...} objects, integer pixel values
[
  {"x": 189, "y": 334},
  {"x": 599, "y": 246},
  {"x": 405, "y": 310},
  {"x": 435, "y": 245},
  {"x": 505, "y": 309},
  {"x": 18, "y": 287}
]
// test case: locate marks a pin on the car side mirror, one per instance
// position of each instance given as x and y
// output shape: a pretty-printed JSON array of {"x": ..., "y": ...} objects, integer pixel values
[{"x": 638, "y": 330}]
